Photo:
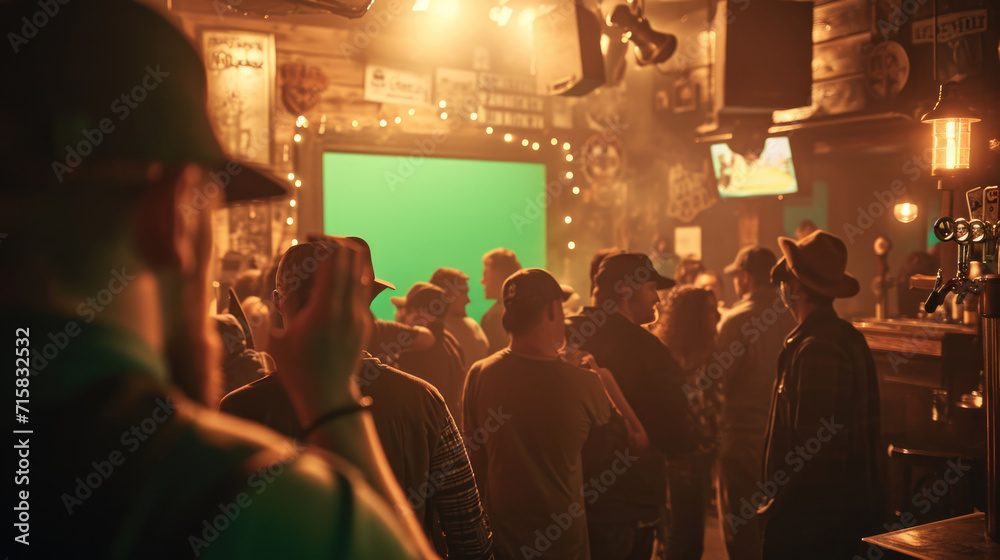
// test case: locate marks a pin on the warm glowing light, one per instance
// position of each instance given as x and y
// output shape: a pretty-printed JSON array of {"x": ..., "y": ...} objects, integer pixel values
[
  {"x": 382, "y": 123},
  {"x": 421, "y": 5},
  {"x": 398, "y": 120},
  {"x": 295, "y": 241},
  {"x": 474, "y": 116},
  {"x": 905, "y": 212},
  {"x": 526, "y": 17},
  {"x": 354, "y": 124},
  {"x": 568, "y": 220},
  {"x": 535, "y": 146},
  {"x": 626, "y": 36},
  {"x": 412, "y": 111},
  {"x": 951, "y": 143},
  {"x": 297, "y": 137},
  {"x": 569, "y": 174},
  {"x": 291, "y": 203},
  {"x": 489, "y": 130},
  {"x": 555, "y": 141},
  {"x": 524, "y": 142},
  {"x": 501, "y": 15},
  {"x": 605, "y": 43},
  {"x": 508, "y": 137},
  {"x": 298, "y": 183},
  {"x": 442, "y": 104},
  {"x": 289, "y": 221},
  {"x": 566, "y": 145},
  {"x": 576, "y": 190},
  {"x": 571, "y": 245},
  {"x": 446, "y": 8},
  {"x": 781, "y": 197},
  {"x": 291, "y": 176},
  {"x": 215, "y": 283},
  {"x": 569, "y": 157},
  {"x": 301, "y": 121},
  {"x": 444, "y": 116}
]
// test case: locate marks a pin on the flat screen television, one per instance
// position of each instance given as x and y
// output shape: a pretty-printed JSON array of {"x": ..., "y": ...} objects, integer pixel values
[{"x": 772, "y": 173}]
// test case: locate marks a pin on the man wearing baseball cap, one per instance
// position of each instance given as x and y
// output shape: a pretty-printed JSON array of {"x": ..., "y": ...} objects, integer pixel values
[
  {"x": 622, "y": 521},
  {"x": 822, "y": 469},
  {"x": 527, "y": 415},
  {"x": 750, "y": 338},
  {"x": 110, "y": 172}
]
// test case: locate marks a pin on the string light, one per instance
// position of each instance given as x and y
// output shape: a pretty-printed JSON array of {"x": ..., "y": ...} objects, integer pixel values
[
  {"x": 298, "y": 183},
  {"x": 297, "y": 137},
  {"x": 289, "y": 221},
  {"x": 291, "y": 176},
  {"x": 301, "y": 122},
  {"x": 291, "y": 203},
  {"x": 524, "y": 142},
  {"x": 568, "y": 219},
  {"x": 442, "y": 104},
  {"x": 295, "y": 241},
  {"x": 566, "y": 145},
  {"x": 535, "y": 146},
  {"x": 569, "y": 157},
  {"x": 555, "y": 141},
  {"x": 412, "y": 111},
  {"x": 354, "y": 124},
  {"x": 444, "y": 116},
  {"x": 571, "y": 245},
  {"x": 474, "y": 116},
  {"x": 489, "y": 130},
  {"x": 382, "y": 123},
  {"x": 398, "y": 120},
  {"x": 508, "y": 137},
  {"x": 569, "y": 174},
  {"x": 576, "y": 190}
]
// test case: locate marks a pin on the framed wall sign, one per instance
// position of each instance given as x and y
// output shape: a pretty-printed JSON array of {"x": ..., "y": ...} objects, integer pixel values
[{"x": 241, "y": 69}]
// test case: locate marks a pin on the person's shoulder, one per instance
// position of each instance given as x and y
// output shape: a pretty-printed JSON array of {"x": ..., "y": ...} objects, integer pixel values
[
  {"x": 379, "y": 379},
  {"x": 254, "y": 392}
]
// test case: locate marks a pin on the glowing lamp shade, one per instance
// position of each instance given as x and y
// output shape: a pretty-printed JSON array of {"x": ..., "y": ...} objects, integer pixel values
[
  {"x": 905, "y": 212},
  {"x": 952, "y": 121}
]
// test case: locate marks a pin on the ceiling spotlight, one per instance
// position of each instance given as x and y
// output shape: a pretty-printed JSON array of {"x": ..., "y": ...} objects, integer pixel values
[{"x": 651, "y": 47}]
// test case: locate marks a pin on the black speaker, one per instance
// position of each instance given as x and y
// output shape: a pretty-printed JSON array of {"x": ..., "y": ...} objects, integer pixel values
[
  {"x": 568, "y": 58},
  {"x": 767, "y": 51}
]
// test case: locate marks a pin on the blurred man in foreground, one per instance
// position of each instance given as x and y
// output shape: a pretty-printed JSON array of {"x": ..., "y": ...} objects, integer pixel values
[{"x": 104, "y": 273}]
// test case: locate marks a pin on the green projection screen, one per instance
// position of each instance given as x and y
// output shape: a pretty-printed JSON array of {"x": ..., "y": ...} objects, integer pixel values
[{"x": 418, "y": 215}]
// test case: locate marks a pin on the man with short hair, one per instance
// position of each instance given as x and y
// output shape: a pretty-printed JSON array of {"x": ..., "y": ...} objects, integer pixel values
[
  {"x": 106, "y": 202},
  {"x": 622, "y": 519},
  {"x": 822, "y": 467},
  {"x": 420, "y": 438},
  {"x": 527, "y": 415},
  {"x": 750, "y": 338},
  {"x": 498, "y": 264},
  {"x": 471, "y": 338}
]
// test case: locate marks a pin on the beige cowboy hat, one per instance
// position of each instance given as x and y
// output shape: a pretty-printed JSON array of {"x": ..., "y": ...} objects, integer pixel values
[{"x": 819, "y": 262}]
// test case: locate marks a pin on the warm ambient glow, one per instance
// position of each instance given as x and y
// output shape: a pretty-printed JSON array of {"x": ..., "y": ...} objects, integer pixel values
[
  {"x": 571, "y": 245},
  {"x": 905, "y": 212},
  {"x": 444, "y": 116},
  {"x": 566, "y": 145},
  {"x": 576, "y": 190},
  {"x": 382, "y": 123},
  {"x": 298, "y": 183},
  {"x": 289, "y": 221},
  {"x": 297, "y": 137},
  {"x": 489, "y": 130},
  {"x": 474, "y": 116},
  {"x": 291, "y": 203},
  {"x": 301, "y": 121},
  {"x": 421, "y": 5},
  {"x": 398, "y": 120},
  {"x": 568, "y": 219},
  {"x": 291, "y": 176},
  {"x": 569, "y": 157},
  {"x": 442, "y": 104},
  {"x": 508, "y": 137},
  {"x": 524, "y": 142},
  {"x": 412, "y": 111},
  {"x": 535, "y": 146},
  {"x": 952, "y": 140},
  {"x": 569, "y": 174}
]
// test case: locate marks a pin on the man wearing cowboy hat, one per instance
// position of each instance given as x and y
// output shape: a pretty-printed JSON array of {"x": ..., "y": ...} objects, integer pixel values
[{"x": 822, "y": 486}]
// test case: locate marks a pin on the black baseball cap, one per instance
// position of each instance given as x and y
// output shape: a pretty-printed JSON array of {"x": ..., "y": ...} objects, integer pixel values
[
  {"x": 531, "y": 287},
  {"x": 757, "y": 261},
  {"x": 104, "y": 89},
  {"x": 634, "y": 268}
]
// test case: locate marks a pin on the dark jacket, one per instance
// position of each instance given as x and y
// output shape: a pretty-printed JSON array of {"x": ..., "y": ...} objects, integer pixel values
[
  {"x": 652, "y": 383},
  {"x": 822, "y": 468}
]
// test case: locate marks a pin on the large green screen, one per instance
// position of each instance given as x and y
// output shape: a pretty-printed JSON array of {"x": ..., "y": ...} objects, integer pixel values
[{"x": 420, "y": 214}]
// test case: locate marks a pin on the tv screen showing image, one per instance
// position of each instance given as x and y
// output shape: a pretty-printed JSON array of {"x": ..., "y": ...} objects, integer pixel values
[{"x": 772, "y": 173}]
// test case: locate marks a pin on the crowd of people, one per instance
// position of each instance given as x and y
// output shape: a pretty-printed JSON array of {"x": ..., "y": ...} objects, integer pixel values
[{"x": 158, "y": 430}]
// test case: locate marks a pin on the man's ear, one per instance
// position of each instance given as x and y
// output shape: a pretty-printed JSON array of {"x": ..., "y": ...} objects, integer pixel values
[
  {"x": 166, "y": 216},
  {"x": 276, "y": 298}
]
